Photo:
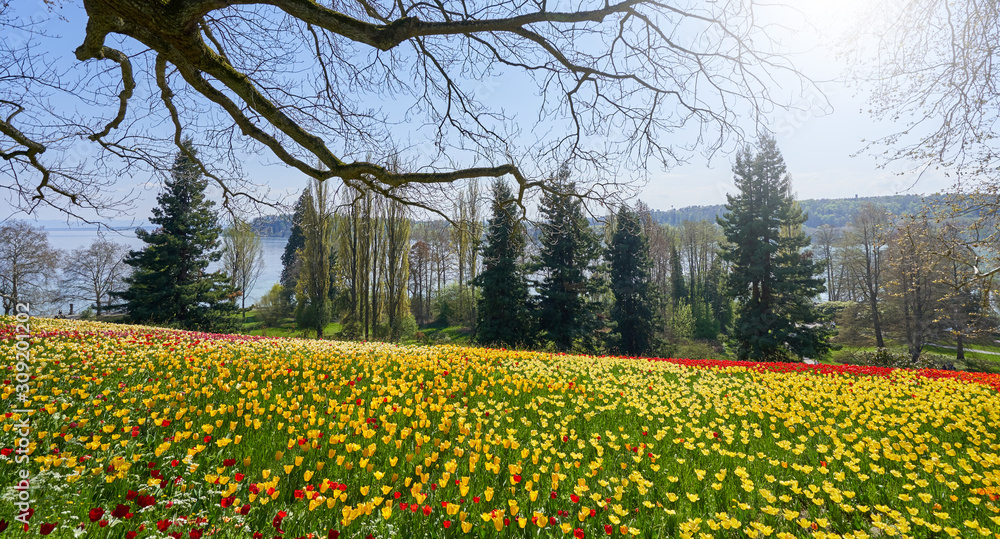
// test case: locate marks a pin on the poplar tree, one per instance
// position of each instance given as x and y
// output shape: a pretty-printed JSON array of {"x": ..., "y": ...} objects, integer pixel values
[
  {"x": 502, "y": 314},
  {"x": 312, "y": 310},
  {"x": 170, "y": 282},
  {"x": 396, "y": 260},
  {"x": 633, "y": 313},
  {"x": 677, "y": 287},
  {"x": 773, "y": 277}
]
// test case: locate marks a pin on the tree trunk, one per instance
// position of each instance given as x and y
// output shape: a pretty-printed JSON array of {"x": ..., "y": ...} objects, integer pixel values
[
  {"x": 959, "y": 347},
  {"x": 876, "y": 323}
]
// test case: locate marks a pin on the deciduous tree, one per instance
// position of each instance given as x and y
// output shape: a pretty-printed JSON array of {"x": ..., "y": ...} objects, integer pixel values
[
  {"x": 27, "y": 263},
  {"x": 396, "y": 255},
  {"x": 242, "y": 258},
  {"x": 96, "y": 271},
  {"x": 932, "y": 68},
  {"x": 914, "y": 283},
  {"x": 312, "y": 310},
  {"x": 867, "y": 241},
  {"x": 827, "y": 237}
]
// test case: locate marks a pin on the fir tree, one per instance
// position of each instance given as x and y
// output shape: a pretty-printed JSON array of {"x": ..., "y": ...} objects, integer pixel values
[
  {"x": 290, "y": 263},
  {"x": 170, "y": 282},
  {"x": 502, "y": 310},
  {"x": 772, "y": 277},
  {"x": 566, "y": 313},
  {"x": 633, "y": 313}
]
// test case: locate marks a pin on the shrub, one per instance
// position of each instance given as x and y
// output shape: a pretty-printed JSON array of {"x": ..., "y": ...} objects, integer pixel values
[
  {"x": 883, "y": 357},
  {"x": 274, "y": 306}
]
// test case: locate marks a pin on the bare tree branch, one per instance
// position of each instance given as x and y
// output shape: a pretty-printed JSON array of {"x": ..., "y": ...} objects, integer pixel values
[{"x": 331, "y": 89}]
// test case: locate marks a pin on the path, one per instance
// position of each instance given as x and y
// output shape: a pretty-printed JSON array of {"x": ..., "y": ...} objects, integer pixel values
[{"x": 987, "y": 352}]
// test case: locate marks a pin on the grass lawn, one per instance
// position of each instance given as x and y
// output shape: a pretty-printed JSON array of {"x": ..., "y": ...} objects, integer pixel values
[
  {"x": 974, "y": 361},
  {"x": 427, "y": 335},
  {"x": 253, "y": 326}
]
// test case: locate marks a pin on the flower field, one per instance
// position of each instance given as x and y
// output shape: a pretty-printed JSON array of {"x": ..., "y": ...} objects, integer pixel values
[{"x": 139, "y": 432}]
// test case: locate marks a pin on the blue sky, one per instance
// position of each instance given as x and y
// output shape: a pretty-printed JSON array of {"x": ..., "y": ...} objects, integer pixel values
[
  {"x": 823, "y": 147},
  {"x": 817, "y": 143}
]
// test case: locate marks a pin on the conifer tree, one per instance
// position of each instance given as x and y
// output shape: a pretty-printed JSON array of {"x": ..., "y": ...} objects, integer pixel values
[
  {"x": 633, "y": 313},
  {"x": 567, "y": 313},
  {"x": 290, "y": 263},
  {"x": 170, "y": 282},
  {"x": 503, "y": 317},
  {"x": 773, "y": 278}
]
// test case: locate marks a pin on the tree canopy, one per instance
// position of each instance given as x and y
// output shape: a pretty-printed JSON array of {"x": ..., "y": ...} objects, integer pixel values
[{"x": 931, "y": 66}]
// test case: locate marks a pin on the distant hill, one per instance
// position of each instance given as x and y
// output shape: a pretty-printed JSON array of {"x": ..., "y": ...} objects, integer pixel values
[
  {"x": 835, "y": 212},
  {"x": 273, "y": 226}
]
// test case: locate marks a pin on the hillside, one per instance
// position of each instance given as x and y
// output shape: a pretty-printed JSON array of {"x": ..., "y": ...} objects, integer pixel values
[{"x": 825, "y": 211}]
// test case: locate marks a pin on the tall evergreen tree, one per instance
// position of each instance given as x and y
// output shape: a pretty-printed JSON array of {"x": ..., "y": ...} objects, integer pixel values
[
  {"x": 772, "y": 277},
  {"x": 633, "y": 313},
  {"x": 502, "y": 312},
  {"x": 566, "y": 311},
  {"x": 170, "y": 282},
  {"x": 290, "y": 264}
]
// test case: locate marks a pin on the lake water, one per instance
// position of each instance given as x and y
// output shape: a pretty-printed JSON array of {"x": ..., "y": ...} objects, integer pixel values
[{"x": 69, "y": 239}]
